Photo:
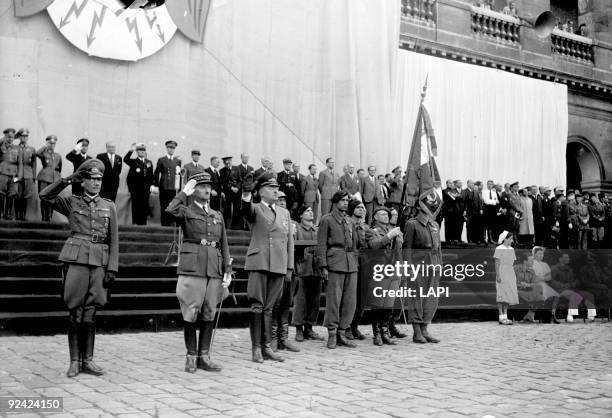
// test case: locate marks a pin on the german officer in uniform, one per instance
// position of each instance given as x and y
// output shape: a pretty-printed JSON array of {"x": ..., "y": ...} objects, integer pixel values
[
  {"x": 204, "y": 259},
  {"x": 77, "y": 157},
  {"x": 50, "y": 173},
  {"x": 289, "y": 184},
  {"x": 168, "y": 167},
  {"x": 90, "y": 256},
  {"x": 10, "y": 165},
  {"x": 139, "y": 182},
  {"x": 269, "y": 260},
  {"x": 27, "y": 175}
]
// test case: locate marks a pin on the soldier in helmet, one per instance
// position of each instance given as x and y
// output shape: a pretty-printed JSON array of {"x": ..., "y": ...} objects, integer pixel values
[
  {"x": 204, "y": 261},
  {"x": 90, "y": 256},
  {"x": 10, "y": 166},
  {"x": 50, "y": 173}
]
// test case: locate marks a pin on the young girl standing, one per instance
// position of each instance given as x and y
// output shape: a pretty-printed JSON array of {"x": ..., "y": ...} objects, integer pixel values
[{"x": 505, "y": 285}]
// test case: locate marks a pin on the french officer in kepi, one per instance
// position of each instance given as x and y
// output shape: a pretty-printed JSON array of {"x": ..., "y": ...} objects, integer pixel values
[
  {"x": 91, "y": 257},
  {"x": 204, "y": 260}
]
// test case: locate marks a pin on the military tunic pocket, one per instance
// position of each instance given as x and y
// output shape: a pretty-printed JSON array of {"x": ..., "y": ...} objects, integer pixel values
[
  {"x": 189, "y": 261},
  {"x": 70, "y": 251}
]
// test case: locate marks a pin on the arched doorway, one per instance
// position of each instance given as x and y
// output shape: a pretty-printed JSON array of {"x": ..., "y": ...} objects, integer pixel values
[{"x": 584, "y": 167}]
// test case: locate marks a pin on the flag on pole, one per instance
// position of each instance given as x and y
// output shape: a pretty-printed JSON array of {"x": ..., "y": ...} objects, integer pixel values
[{"x": 422, "y": 171}]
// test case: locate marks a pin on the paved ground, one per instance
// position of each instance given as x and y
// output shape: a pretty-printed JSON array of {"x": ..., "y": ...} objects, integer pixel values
[{"x": 479, "y": 369}]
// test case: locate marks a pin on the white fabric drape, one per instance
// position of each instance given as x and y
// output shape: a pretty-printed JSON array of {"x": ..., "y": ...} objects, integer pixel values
[{"x": 306, "y": 80}]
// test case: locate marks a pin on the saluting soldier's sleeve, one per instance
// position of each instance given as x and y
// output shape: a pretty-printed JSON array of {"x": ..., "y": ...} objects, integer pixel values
[
  {"x": 41, "y": 153},
  {"x": 247, "y": 210},
  {"x": 113, "y": 235},
  {"x": 321, "y": 253},
  {"x": 50, "y": 194},
  {"x": 157, "y": 172},
  {"x": 177, "y": 207},
  {"x": 375, "y": 241},
  {"x": 289, "y": 244}
]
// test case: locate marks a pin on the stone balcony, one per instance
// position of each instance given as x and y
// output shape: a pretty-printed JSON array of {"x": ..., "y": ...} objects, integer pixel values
[
  {"x": 572, "y": 46},
  {"x": 419, "y": 11},
  {"x": 495, "y": 27}
]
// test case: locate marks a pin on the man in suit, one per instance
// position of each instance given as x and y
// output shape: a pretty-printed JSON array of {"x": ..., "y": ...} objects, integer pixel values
[
  {"x": 269, "y": 260},
  {"x": 466, "y": 195},
  {"x": 50, "y": 173},
  {"x": 112, "y": 170},
  {"x": 309, "y": 190},
  {"x": 490, "y": 207},
  {"x": 350, "y": 182},
  {"x": 139, "y": 182},
  {"x": 77, "y": 157},
  {"x": 265, "y": 167},
  {"x": 225, "y": 175},
  {"x": 90, "y": 256},
  {"x": 368, "y": 191},
  {"x": 474, "y": 210},
  {"x": 300, "y": 178},
  {"x": 289, "y": 184},
  {"x": 329, "y": 182},
  {"x": 192, "y": 168},
  {"x": 538, "y": 214},
  {"x": 237, "y": 179},
  {"x": 216, "y": 193},
  {"x": 202, "y": 268},
  {"x": 167, "y": 171},
  {"x": 450, "y": 208},
  {"x": 382, "y": 193}
]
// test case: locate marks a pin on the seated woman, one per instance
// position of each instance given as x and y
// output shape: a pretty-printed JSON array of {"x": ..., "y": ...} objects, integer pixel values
[
  {"x": 543, "y": 275},
  {"x": 529, "y": 290}
]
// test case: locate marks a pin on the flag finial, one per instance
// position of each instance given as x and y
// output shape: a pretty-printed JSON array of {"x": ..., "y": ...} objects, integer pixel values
[{"x": 424, "y": 92}]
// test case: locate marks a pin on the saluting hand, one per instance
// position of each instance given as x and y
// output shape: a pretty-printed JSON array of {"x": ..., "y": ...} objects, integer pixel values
[{"x": 189, "y": 187}]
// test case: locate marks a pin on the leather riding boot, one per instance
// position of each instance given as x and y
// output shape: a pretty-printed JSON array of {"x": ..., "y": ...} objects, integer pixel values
[
  {"x": 73, "y": 347},
  {"x": 331, "y": 338},
  {"x": 426, "y": 335},
  {"x": 376, "y": 334},
  {"x": 384, "y": 333},
  {"x": 189, "y": 335},
  {"x": 358, "y": 335},
  {"x": 22, "y": 207},
  {"x": 417, "y": 337},
  {"x": 342, "y": 340},
  {"x": 2, "y": 199},
  {"x": 8, "y": 208},
  {"x": 394, "y": 330},
  {"x": 310, "y": 334},
  {"x": 283, "y": 341},
  {"x": 299, "y": 333},
  {"x": 89, "y": 366},
  {"x": 255, "y": 328},
  {"x": 275, "y": 333},
  {"x": 204, "y": 361},
  {"x": 266, "y": 349}
]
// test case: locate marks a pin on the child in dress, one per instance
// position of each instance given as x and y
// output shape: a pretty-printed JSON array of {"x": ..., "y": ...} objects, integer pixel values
[{"x": 505, "y": 285}]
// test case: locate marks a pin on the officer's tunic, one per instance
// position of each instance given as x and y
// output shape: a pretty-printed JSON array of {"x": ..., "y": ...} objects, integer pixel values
[
  {"x": 92, "y": 248},
  {"x": 51, "y": 172},
  {"x": 28, "y": 171},
  {"x": 308, "y": 295},
  {"x": 382, "y": 251},
  {"x": 77, "y": 158},
  {"x": 139, "y": 181},
  {"x": 10, "y": 167},
  {"x": 289, "y": 184},
  {"x": 204, "y": 258},
  {"x": 164, "y": 177},
  {"x": 422, "y": 243}
]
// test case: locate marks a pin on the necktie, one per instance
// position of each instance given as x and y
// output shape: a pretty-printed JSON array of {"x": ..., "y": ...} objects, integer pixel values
[
  {"x": 273, "y": 211},
  {"x": 112, "y": 160},
  {"x": 490, "y": 195}
]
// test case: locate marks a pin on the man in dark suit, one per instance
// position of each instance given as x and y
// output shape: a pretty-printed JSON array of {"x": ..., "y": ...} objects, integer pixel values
[
  {"x": 368, "y": 192},
  {"x": 225, "y": 175},
  {"x": 538, "y": 214},
  {"x": 265, "y": 167},
  {"x": 139, "y": 182},
  {"x": 309, "y": 190},
  {"x": 237, "y": 179},
  {"x": 165, "y": 177},
  {"x": 77, "y": 157},
  {"x": 112, "y": 169},
  {"x": 300, "y": 177},
  {"x": 269, "y": 260},
  {"x": 216, "y": 192},
  {"x": 466, "y": 195},
  {"x": 474, "y": 210},
  {"x": 289, "y": 184}
]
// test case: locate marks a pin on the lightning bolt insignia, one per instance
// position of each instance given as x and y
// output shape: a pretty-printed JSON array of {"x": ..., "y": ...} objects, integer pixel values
[
  {"x": 96, "y": 22},
  {"x": 77, "y": 10},
  {"x": 132, "y": 26}
]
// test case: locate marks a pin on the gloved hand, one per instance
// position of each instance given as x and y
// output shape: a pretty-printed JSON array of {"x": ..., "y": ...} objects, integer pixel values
[
  {"x": 227, "y": 280},
  {"x": 289, "y": 275},
  {"x": 109, "y": 279}
]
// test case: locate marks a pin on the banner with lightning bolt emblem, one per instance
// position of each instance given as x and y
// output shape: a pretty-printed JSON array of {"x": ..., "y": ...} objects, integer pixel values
[
  {"x": 190, "y": 17},
  {"x": 106, "y": 29},
  {"x": 25, "y": 8}
]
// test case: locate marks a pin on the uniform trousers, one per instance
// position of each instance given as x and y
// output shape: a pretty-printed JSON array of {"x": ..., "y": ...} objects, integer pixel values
[
  {"x": 46, "y": 210},
  {"x": 421, "y": 309},
  {"x": 263, "y": 290},
  {"x": 165, "y": 197},
  {"x": 307, "y": 301},
  {"x": 140, "y": 207},
  {"x": 7, "y": 186},
  {"x": 341, "y": 299},
  {"x": 326, "y": 206},
  {"x": 198, "y": 294},
  {"x": 83, "y": 286}
]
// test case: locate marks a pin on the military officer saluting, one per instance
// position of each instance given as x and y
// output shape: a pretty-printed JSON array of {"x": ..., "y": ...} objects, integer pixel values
[
  {"x": 167, "y": 171},
  {"x": 139, "y": 182},
  {"x": 78, "y": 156},
  {"x": 50, "y": 173},
  {"x": 204, "y": 260},
  {"x": 289, "y": 183},
  {"x": 10, "y": 166},
  {"x": 90, "y": 256},
  {"x": 269, "y": 260},
  {"x": 27, "y": 175}
]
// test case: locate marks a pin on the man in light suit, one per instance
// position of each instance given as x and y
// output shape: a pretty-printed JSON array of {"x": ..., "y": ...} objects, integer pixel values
[
  {"x": 350, "y": 182},
  {"x": 309, "y": 190},
  {"x": 368, "y": 191},
  {"x": 329, "y": 182},
  {"x": 269, "y": 260},
  {"x": 112, "y": 170}
]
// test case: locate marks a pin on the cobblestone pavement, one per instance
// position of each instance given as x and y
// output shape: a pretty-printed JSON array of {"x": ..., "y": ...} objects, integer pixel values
[{"x": 478, "y": 369}]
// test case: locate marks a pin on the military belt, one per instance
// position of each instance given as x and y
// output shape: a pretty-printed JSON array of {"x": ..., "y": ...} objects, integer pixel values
[
  {"x": 94, "y": 238},
  {"x": 203, "y": 241}
]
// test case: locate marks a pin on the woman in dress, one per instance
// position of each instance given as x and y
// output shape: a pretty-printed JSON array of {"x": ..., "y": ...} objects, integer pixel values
[
  {"x": 505, "y": 277},
  {"x": 543, "y": 275}
]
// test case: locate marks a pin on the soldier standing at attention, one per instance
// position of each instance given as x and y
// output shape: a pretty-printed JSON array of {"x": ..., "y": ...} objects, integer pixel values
[
  {"x": 337, "y": 257},
  {"x": 50, "y": 173},
  {"x": 269, "y": 260},
  {"x": 77, "y": 157},
  {"x": 289, "y": 184},
  {"x": 90, "y": 256},
  {"x": 203, "y": 262},
  {"x": 168, "y": 167},
  {"x": 27, "y": 174},
  {"x": 10, "y": 165},
  {"x": 139, "y": 182}
]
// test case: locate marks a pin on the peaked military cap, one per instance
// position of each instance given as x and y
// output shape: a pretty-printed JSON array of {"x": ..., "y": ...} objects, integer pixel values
[
  {"x": 171, "y": 144},
  {"x": 92, "y": 169},
  {"x": 85, "y": 141},
  {"x": 266, "y": 179},
  {"x": 201, "y": 178}
]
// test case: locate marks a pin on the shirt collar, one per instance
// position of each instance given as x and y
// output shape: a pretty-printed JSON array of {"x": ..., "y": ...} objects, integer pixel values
[
  {"x": 89, "y": 198},
  {"x": 422, "y": 218},
  {"x": 202, "y": 206},
  {"x": 339, "y": 216},
  {"x": 170, "y": 157}
]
